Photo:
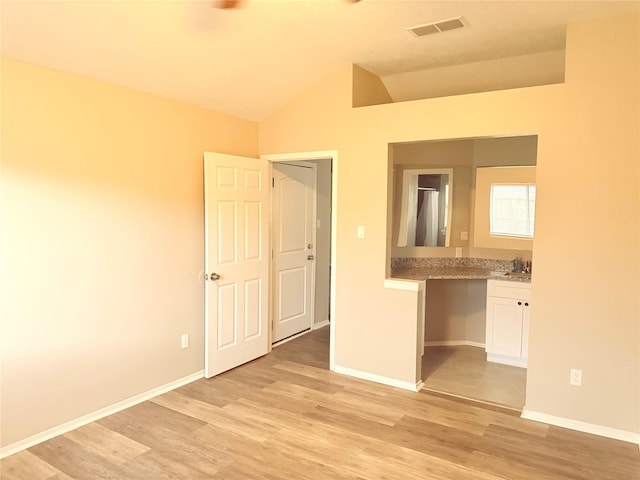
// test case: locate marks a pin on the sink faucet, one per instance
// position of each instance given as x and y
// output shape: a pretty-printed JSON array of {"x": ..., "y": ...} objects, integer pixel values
[
  {"x": 516, "y": 264},
  {"x": 520, "y": 266}
]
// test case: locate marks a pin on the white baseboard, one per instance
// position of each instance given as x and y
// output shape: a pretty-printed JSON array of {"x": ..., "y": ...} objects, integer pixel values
[
  {"x": 96, "y": 415},
  {"x": 582, "y": 426},
  {"x": 504, "y": 360},
  {"x": 372, "y": 377},
  {"x": 405, "y": 284},
  {"x": 452, "y": 343},
  {"x": 322, "y": 324}
]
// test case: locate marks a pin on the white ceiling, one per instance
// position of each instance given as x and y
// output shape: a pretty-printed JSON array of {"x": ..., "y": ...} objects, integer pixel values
[{"x": 250, "y": 61}]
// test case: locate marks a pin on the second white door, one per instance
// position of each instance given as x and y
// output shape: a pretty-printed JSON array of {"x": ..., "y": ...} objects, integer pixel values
[
  {"x": 236, "y": 260},
  {"x": 293, "y": 248}
]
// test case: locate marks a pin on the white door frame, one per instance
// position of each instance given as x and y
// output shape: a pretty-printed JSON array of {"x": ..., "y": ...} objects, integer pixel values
[{"x": 333, "y": 156}]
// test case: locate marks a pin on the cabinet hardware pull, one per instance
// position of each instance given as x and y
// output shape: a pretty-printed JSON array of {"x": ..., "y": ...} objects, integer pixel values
[
  {"x": 526, "y": 304},
  {"x": 519, "y": 303}
]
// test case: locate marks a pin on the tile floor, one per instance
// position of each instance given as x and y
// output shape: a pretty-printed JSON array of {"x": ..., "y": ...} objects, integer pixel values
[{"x": 463, "y": 371}]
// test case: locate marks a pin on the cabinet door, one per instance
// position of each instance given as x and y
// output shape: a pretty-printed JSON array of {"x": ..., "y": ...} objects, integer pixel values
[{"x": 504, "y": 327}]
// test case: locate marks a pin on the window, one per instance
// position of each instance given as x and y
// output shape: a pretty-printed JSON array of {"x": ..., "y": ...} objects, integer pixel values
[
  {"x": 504, "y": 219},
  {"x": 512, "y": 210}
]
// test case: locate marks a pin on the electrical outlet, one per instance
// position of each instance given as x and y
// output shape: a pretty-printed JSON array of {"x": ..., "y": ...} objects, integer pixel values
[
  {"x": 464, "y": 235},
  {"x": 360, "y": 231},
  {"x": 576, "y": 377},
  {"x": 184, "y": 340}
]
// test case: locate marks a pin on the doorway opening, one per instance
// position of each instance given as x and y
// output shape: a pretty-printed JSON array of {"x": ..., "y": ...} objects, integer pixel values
[
  {"x": 322, "y": 296},
  {"x": 458, "y": 359},
  {"x": 294, "y": 249}
]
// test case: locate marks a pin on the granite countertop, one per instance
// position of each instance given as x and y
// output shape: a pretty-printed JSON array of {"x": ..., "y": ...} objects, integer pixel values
[{"x": 454, "y": 268}]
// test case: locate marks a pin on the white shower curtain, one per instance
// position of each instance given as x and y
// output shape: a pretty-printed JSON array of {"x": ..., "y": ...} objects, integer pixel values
[{"x": 427, "y": 225}]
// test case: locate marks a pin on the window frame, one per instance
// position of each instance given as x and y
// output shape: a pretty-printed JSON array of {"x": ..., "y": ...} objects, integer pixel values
[
  {"x": 529, "y": 221},
  {"x": 484, "y": 177}
]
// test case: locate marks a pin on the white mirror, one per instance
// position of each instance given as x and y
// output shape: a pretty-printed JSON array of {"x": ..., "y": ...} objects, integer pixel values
[{"x": 426, "y": 207}]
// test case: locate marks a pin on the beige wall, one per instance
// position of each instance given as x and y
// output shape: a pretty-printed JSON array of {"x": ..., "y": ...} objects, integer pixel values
[
  {"x": 456, "y": 311},
  {"x": 102, "y": 253},
  {"x": 585, "y": 311},
  {"x": 590, "y": 320},
  {"x": 474, "y": 77},
  {"x": 102, "y": 236},
  {"x": 494, "y": 152},
  {"x": 367, "y": 88}
]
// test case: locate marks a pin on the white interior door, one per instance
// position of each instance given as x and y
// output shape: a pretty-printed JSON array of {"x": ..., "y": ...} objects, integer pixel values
[
  {"x": 236, "y": 260},
  {"x": 294, "y": 249}
]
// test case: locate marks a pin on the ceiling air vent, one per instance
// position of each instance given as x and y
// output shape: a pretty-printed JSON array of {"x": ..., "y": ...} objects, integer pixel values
[{"x": 438, "y": 27}]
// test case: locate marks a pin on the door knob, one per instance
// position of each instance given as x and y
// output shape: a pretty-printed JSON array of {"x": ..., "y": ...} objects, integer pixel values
[
  {"x": 310, "y": 257},
  {"x": 214, "y": 276}
]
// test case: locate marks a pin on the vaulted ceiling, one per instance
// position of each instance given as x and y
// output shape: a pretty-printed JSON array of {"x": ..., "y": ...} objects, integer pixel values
[{"x": 251, "y": 60}]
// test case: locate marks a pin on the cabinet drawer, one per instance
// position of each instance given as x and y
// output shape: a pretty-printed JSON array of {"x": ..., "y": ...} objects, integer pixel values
[{"x": 507, "y": 289}]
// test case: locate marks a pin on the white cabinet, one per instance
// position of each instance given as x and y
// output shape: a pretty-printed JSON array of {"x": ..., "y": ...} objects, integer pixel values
[{"x": 507, "y": 337}]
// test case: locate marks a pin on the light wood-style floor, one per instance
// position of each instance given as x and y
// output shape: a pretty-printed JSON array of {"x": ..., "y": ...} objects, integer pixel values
[
  {"x": 465, "y": 372},
  {"x": 286, "y": 416}
]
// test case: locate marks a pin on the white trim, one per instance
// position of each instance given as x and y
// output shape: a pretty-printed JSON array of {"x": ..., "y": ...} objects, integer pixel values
[
  {"x": 97, "y": 415},
  {"x": 453, "y": 343},
  {"x": 333, "y": 156},
  {"x": 608, "y": 432},
  {"x": 297, "y": 156},
  {"x": 372, "y": 377},
  {"x": 402, "y": 284},
  {"x": 506, "y": 360},
  {"x": 319, "y": 325}
]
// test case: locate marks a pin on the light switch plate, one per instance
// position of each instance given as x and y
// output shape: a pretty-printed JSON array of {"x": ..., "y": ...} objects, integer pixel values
[{"x": 360, "y": 231}]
